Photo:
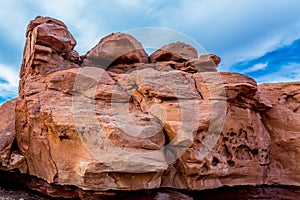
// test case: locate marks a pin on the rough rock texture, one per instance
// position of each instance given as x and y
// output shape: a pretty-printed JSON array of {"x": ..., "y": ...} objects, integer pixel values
[
  {"x": 9, "y": 156},
  {"x": 110, "y": 120},
  {"x": 54, "y": 109},
  {"x": 116, "y": 48},
  {"x": 178, "y": 52},
  {"x": 15, "y": 186},
  {"x": 283, "y": 124}
]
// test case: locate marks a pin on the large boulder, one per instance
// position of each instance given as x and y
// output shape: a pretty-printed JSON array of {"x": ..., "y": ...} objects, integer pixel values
[
  {"x": 10, "y": 158},
  {"x": 7, "y": 131},
  {"x": 54, "y": 36},
  {"x": 48, "y": 48},
  {"x": 114, "y": 49},
  {"x": 205, "y": 63},
  {"x": 178, "y": 52}
]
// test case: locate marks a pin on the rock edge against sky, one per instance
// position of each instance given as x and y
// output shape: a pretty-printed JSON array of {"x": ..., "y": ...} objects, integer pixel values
[{"x": 118, "y": 119}]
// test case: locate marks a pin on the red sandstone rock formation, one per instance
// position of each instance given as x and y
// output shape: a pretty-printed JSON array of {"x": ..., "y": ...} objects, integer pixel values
[
  {"x": 116, "y": 48},
  {"x": 178, "y": 52},
  {"x": 118, "y": 122}
]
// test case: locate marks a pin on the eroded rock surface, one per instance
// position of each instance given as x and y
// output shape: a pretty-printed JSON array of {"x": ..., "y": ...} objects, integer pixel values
[
  {"x": 178, "y": 52},
  {"x": 9, "y": 155},
  {"x": 116, "y": 119},
  {"x": 114, "y": 49},
  {"x": 283, "y": 124}
]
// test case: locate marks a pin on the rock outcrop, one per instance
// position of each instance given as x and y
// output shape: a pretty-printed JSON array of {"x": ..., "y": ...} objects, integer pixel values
[
  {"x": 9, "y": 156},
  {"x": 118, "y": 119},
  {"x": 116, "y": 48},
  {"x": 283, "y": 125},
  {"x": 179, "y": 52}
]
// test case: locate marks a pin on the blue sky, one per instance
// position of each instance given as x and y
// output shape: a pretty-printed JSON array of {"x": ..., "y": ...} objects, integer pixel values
[{"x": 259, "y": 38}]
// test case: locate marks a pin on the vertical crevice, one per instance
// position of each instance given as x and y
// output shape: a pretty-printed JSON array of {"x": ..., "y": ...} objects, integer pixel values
[
  {"x": 197, "y": 89},
  {"x": 268, "y": 156}
]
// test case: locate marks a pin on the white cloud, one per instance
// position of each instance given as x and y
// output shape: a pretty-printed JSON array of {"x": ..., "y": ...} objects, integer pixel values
[
  {"x": 89, "y": 21},
  {"x": 10, "y": 89},
  {"x": 9, "y": 74},
  {"x": 237, "y": 29},
  {"x": 287, "y": 73},
  {"x": 68, "y": 10},
  {"x": 255, "y": 68},
  {"x": 132, "y": 4},
  {"x": 14, "y": 19}
]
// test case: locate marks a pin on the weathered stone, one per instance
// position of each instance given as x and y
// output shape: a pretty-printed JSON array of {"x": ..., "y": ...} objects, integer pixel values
[
  {"x": 114, "y": 49},
  {"x": 205, "y": 63},
  {"x": 42, "y": 20},
  {"x": 48, "y": 41},
  {"x": 178, "y": 52},
  {"x": 158, "y": 84},
  {"x": 54, "y": 36},
  {"x": 236, "y": 88},
  {"x": 71, "y": 192},
  {"x": 73, "y": 57},
  {"x": 225, "y": 159},
  {"x": 7, "y": 131},
  {"x": 283, "y": 125},
  {"x": 139, "y": 125}
]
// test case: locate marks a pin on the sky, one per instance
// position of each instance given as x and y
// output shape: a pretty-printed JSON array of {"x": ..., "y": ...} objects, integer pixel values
[{"x": 258, "y": 38}]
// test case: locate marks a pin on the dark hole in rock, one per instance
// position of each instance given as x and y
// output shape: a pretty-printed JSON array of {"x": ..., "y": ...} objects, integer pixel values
[
  {"x": 204, "y": 168},
  {"x": 232, "y": 134},
  {"x": 64, "y": 137},
  {"x": 215, "y": 161},
  {"x": 254, "y": 151},
  {"x": 243, "y": 153},
  {"x": 230, "y": 163},
  {"x": 224, "y": 152}
]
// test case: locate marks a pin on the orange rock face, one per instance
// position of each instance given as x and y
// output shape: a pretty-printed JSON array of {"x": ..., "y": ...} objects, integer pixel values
[
  {"x": 283, "y": 125},
  {"x": 178, "y": 51},
  {"x": 9, "y": 156},
  {"x": 116, "y": 48},
  {"x": 110, "y": 120}
]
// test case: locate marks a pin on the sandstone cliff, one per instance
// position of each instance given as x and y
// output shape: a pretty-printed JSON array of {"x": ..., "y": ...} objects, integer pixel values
[{"x": 118, "y": 119}]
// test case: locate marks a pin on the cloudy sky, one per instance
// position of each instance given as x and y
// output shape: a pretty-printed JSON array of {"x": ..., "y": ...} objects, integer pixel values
[{"x": 259, "y": 38}]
